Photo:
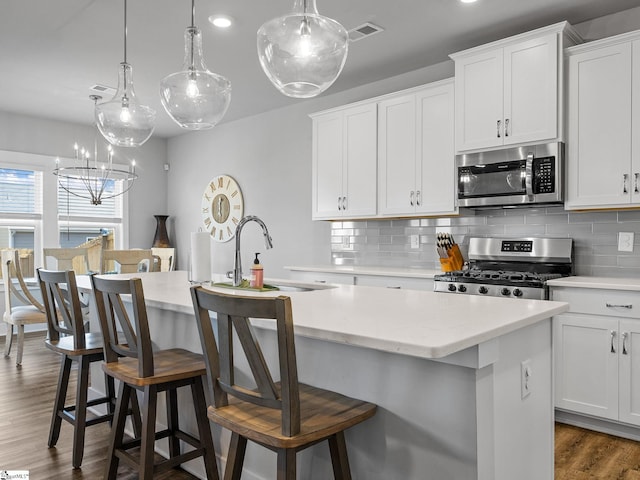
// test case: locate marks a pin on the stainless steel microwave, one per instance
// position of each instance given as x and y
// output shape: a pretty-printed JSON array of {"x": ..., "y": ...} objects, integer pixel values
[{"x": 511, "y": 177}]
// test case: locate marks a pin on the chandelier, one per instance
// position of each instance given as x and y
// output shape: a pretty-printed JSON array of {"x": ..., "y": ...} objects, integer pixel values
[{"x": 94, "y": 179}]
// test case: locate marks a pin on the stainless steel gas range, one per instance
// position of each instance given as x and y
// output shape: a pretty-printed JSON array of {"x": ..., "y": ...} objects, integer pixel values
[{"x": 510, "y": 267}]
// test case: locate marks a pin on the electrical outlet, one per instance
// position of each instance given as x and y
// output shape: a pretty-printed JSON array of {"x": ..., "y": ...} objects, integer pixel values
[
  {"x": 525, "y": 378},
  {"x": 415, "y": 241},
  {"x": 345, "y": 242},
  {"x": 625, "y": 241}
]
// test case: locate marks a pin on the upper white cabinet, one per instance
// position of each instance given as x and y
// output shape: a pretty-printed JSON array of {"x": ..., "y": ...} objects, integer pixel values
[
  {"x": 510, "y": 92},
  {"x": 416, "y": 159},
  {"x": 604, "y": 124},
  {"x": 344, "y": 163}
]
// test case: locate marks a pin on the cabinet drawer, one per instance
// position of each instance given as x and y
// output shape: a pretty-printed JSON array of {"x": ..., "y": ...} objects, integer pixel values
[
  {"x": 614, "y": 303},
  {"x": 321, "y": 277},
  {"x": 395, "y": 282}
]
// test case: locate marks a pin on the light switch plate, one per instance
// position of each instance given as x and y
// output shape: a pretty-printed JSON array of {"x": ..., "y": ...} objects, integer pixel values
[{"x": 625, "y": 241}]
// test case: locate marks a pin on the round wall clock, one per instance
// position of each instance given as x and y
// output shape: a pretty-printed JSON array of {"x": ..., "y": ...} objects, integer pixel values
[{"x": 222, "y": 207}]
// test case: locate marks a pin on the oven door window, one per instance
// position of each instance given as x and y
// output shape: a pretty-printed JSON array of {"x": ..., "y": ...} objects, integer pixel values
[{"x": 492, "y": 180}]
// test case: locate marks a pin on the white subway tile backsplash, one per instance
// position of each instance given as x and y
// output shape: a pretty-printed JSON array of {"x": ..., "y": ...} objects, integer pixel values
[{"x": 387, "y": 242}]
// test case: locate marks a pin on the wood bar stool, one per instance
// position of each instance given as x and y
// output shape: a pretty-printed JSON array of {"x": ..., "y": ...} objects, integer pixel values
[
  {"x": 76, "y": 259},
  {"x": 284, "y": 416},
  {"x": 128, "y": 261},
  {"x": 138, "y": 367},
  {"x": 68, "y": 338}
]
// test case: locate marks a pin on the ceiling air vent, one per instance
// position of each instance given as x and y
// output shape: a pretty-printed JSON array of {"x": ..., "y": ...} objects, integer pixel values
[
  {"x": 364, "y": 30},
  {"x": 102, "y": 89}
]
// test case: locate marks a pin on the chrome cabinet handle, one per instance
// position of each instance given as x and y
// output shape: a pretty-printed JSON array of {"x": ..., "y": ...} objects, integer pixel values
[
  {"x": 394, "y": 287},
  {"x": 619, "y": 305},
  {"x": 624, "y": 343},
  {"x": 344, "y": 203},
  {"x": 339, "y": 205},
  {"x": 411, "y": 198},
  {"x": 625, "y": 180},
  {"x": 418, "y": 198},
  {"x": 498, "y": 128},
  {"x": 320, "y": 281},
  {"x": 506, "y": 127},
  {"x": 613, "y": 336},
  {"x": 635, "y": 182}
]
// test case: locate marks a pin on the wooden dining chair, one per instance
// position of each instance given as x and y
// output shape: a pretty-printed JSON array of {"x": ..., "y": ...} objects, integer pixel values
[
  {"x": 138, "y": 367},
  {"x": 128, "y": 261},
  {"x": 68, "y": 338},
  {"x": 60, "y": 259},
  {"x": 167, "y": 255},
  {"x": 285, "y": 416},
  {"x": 30, "y": 312}
]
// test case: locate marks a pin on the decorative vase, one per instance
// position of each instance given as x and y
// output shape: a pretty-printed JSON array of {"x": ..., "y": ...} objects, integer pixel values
[{"x": 161, "y": 238}]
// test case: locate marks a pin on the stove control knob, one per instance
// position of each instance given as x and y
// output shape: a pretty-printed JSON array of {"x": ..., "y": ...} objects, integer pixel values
[
  {"x": 452, "y": 287},
  {"x": 517, "y": 292},
  {"x": 462, "y": 288},
  {"x": 483, "y": 290},
  {"x": 505, "y": 291}
]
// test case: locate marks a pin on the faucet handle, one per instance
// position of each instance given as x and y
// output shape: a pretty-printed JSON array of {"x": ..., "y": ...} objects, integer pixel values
[{"x": 229, "y": 274}]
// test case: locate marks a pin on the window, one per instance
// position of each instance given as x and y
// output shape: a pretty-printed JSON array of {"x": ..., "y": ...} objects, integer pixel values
[
  {"x": 21, "y": 212},
  {"x": 35, "y": 212}
]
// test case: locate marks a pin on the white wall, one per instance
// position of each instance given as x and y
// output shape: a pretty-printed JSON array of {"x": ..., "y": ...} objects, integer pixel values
[
  {"x": 269, "y": 155},
  {"x": 19, "y": 133}
]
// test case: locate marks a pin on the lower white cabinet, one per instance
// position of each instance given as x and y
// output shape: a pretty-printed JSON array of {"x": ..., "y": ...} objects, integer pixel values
[
  {"x": 322, "y": 277},
  {"x": 407, "y": 283},
  {"x": 597, "y": 353}
]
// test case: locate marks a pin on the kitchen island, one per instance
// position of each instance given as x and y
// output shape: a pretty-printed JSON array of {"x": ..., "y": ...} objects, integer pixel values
[{"x": 463, "y": 383}]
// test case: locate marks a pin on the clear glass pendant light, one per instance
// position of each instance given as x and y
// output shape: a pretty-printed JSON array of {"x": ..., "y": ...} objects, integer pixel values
[
  {"x": 303, "y": 52},
  {"x": 195, "y": 98},
  {"x": 122, "y": 120}
]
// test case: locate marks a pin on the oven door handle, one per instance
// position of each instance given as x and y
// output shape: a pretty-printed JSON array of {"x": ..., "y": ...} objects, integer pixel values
[{"x": 528, "y": 175}]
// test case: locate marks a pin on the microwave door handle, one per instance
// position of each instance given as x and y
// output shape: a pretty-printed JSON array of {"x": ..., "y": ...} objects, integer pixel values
[{"x": 528, "y": 179}]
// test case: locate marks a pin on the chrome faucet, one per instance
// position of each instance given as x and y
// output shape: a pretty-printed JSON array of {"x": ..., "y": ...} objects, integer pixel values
[{"x": 237, "y": 264}]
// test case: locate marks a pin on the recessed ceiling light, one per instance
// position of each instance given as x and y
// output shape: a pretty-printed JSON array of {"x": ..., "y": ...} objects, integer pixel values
[
  {"x": 221, "y": 21},
  {"x": 468, "y": 1}
]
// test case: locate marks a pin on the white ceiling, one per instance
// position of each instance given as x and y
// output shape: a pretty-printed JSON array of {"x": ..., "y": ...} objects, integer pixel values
[{"x": 52, "y": 52}]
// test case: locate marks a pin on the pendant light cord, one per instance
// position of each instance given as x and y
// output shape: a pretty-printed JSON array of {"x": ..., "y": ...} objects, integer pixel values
[
  {"x": 193, "y": 26},
  {"x": 125, "y": 31}
]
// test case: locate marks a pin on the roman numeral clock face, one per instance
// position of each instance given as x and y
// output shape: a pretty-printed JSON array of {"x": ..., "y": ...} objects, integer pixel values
[{"x": 222, "y": 207}]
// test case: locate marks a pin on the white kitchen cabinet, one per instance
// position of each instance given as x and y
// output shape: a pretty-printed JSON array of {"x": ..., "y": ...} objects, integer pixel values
[
  {"x": 344, "y": 163},
  {"x": 597, "y": 353},
  {"x": 510, "y": 92},
  {"x": 603, "y": 167},
  {"x": 416, "y": 159},
  {"x": 322, "y": 277}
]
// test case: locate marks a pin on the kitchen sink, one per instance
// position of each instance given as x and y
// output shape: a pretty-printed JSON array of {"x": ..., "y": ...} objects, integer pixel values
[{"x": 276, "y": 286}]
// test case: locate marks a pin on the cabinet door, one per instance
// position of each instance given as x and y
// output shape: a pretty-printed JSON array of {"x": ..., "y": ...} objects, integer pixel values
[
  {"x": 599, "y": 156},
  {"x": 360, "y": 165},
  {"x": 479, "y": 94},
  {"x": 327, "y": 155},
  {"x": 586, "y": 370},
  {"x": 435, "y": 166},
  {"x": 397, "y": 155},
  {"x": 635, "y": 132},
  {"x": 629, "y": 379},
  {"x": 531, "y": 90}
]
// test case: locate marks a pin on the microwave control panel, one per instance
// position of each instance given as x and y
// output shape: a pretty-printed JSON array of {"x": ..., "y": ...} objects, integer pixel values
[{"x": 544, "y": 175}]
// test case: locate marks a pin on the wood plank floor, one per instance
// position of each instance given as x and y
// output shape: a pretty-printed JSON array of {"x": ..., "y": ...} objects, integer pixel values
[{"x": 27, "y": 394}]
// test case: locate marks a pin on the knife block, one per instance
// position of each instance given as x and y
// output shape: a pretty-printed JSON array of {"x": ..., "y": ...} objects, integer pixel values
[{"x": 454, "y": 260}]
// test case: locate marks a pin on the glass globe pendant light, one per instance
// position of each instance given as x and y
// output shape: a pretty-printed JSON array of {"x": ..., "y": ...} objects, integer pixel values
[
  {"x": 122, "y": 120},
  {"x": 195, "y": 98},
  {"x": 302, "y": 53}
]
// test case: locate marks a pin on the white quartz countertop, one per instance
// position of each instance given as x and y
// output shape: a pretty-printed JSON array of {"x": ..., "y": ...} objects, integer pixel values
[
  {"x": 410, "y": 322},
  {"x": 607, "y": 283},
  {"x": 362, "y": 270}
]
